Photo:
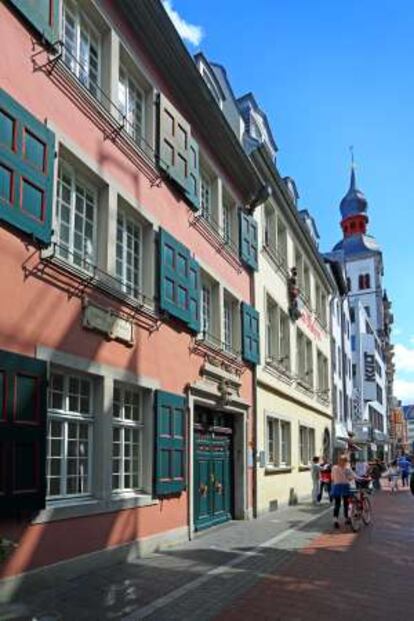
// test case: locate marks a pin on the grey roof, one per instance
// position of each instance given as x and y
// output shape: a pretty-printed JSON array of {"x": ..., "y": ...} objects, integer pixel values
[
  {"x": 358, "y": 244},
  {"x": 354, "y": 202},
  {"x": 250, "y": 98}
]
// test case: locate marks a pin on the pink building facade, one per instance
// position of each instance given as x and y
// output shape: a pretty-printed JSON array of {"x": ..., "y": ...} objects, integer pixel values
[{"x": 128, "y": 337}]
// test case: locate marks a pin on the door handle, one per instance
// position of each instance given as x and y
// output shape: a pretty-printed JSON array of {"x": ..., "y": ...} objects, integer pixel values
[{"x": 203, "y": 489}]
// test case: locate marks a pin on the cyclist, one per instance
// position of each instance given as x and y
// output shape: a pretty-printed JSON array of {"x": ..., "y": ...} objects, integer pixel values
[{"x": 342, "y": 475}]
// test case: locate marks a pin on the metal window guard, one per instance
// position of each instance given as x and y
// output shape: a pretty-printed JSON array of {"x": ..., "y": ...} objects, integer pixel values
[
  {"x": 218, "y": 229},
  {"x": 217, "y": 344},
  {"x": 92, "y": 275},
  {"x": 124, "y": 127},
  {"x": 277, "y": 259}
]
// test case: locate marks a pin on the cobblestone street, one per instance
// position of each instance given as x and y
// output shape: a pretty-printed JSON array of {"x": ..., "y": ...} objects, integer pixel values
[{"x": 288, "y": 565}]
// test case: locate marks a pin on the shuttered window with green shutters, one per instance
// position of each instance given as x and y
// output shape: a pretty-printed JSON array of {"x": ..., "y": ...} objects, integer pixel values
[
  {"x": 179, "y": 281},
  {"x": 26, "y": 170},
  {"x": 178, "y": 153},
  {"x": 248, "y": 240},
  {"x": 170, "y": 432},
  {"x": 23, "y": 411},
  {"x": 43, "y": 15},
  {"x": 250, "y": 334}
]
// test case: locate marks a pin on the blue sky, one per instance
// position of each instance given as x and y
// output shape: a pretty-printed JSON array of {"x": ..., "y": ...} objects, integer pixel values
[{"x": 330, "y": 74}]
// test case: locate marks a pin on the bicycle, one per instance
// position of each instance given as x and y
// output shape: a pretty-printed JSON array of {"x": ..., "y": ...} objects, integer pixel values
[{"x": 359, "y": 505}]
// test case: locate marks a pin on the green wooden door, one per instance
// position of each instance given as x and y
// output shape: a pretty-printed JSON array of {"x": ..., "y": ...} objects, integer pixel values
[{"x": 213, "y": 465}]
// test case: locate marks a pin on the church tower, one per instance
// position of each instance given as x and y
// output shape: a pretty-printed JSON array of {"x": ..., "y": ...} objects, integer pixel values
[{"x": 361, "y": 256}]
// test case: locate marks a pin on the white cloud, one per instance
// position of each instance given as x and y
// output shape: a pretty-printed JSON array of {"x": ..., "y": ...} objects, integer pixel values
[
  {"x": 189, "y": 32},
  {"x": 396, "y": 331},
  {"x": 404, "y": 358},
  {"x": 404, "y": 390}
]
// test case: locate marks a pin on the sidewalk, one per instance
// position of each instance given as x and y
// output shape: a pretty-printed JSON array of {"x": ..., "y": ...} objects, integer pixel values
[
  {"x": 288, "y": 566},
  {"x": 341, "y": 575},
  {"x": 194, "y": 580}
]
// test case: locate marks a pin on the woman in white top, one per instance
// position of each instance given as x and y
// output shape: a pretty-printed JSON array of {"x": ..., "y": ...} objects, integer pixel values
[{"x": 342, "y": 475}]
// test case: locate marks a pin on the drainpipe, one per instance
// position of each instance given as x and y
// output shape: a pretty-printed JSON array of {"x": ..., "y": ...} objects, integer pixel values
[{"x": 190, "y": 462}]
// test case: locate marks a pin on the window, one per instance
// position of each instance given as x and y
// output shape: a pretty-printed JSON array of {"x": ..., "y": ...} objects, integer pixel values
[
  {"x": 228, "y": 325},
  {"x": 352, "y": 314},
  {"x": 364, "y": 281},
  {"x": 269, "y": 227},
  {"x": 206, "y": 322},
  {"x": 208, "y": 79},
  {"x": 129, "y": 254},
  {"x": 307, "y": 283},
  {"x": 334, "y": 401},
  {"x": 277, "y": 335},
  {"x": 278, "y": 442},
  {"x": 131, "y": 105},
  {"x": 304, "y": 359},
  {"x": 306, "y": 445},
  {"x": 81, "y": 47},
  {"x": 323, "y": 374},
  {"x": 127, "y": 439},
  {"x": 354, "y": 370},
  {"x": 76, "y": 218},
  {"x": 348, "y": 282},
  {"x": 299, "y": 267},
  {"x": 353, "y": 342},
  {"x": 205, "y": 197},
  {"x": 339, "y": 362},
  {"x": 368, "y": 310},
  {"x": 282, "y": 240},
  {"x": 379, "y": 394},
  {"x": 69, "y": 438},
  {"x": 227, "y": 223}
]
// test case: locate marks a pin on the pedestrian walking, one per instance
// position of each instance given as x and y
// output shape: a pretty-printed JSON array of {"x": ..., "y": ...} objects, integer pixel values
[
  {"x": 393, "y": 475},
  {"x": 342, "y": 475},
  {"x": 315, "y": 471},
  {"x": 404, "y": 466},
  {"x": 325, "y": 479},
  {"x": 375, "y": 471}
]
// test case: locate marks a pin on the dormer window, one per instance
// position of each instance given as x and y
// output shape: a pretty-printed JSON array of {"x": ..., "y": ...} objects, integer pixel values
[
  {"x": 212, "y": 85},
  {"x": 255, "y": 129}
]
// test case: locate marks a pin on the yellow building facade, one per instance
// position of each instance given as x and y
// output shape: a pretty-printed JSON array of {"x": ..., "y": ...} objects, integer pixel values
[{"x": 292, "y": 295}]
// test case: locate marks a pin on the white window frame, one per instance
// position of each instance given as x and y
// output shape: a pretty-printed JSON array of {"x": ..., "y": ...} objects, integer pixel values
[
  {"x": 275, "y": 439},
  {"x": 206, "y": 186},
  {"x": 128, "y": 287},
  {"x": 66, "y": 250},
  {"x": 275, "y": 346},
  {"x": 131, "y": 127},
  {"x": 74, "y": 58},
  {"x": 64, "y": 417},
  {"x": 306, "y": 445},
  {"x": 228, "y": 327},
  {"x": 123, "y": 424},
  {"x": 206, "y": 304},
  {"x": 227, "y": 223}
]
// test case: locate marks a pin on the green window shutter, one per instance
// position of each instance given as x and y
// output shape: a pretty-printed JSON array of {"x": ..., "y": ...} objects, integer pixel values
[
  {"x": 193, "y": 182},
  {"x": 174, "y": 277},
  {"x": 170, "y": 432},
  {"x": 248, "y": 240},
  {"x": 250, "y": 334},
  {"x": 43, "y": 15},
  {"x": 27, "y": 149},
  {"x": 178, "y": 153},
  {"x": 23, "y": 412},
  {"x": 195, "y": 294}
]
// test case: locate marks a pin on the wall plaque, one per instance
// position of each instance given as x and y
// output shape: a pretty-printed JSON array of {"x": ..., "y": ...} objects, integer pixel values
[{"x": 109, "y": 323}]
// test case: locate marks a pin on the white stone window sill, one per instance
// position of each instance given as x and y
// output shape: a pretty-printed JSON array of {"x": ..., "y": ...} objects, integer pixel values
[{"x": 82, "y": 507}]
